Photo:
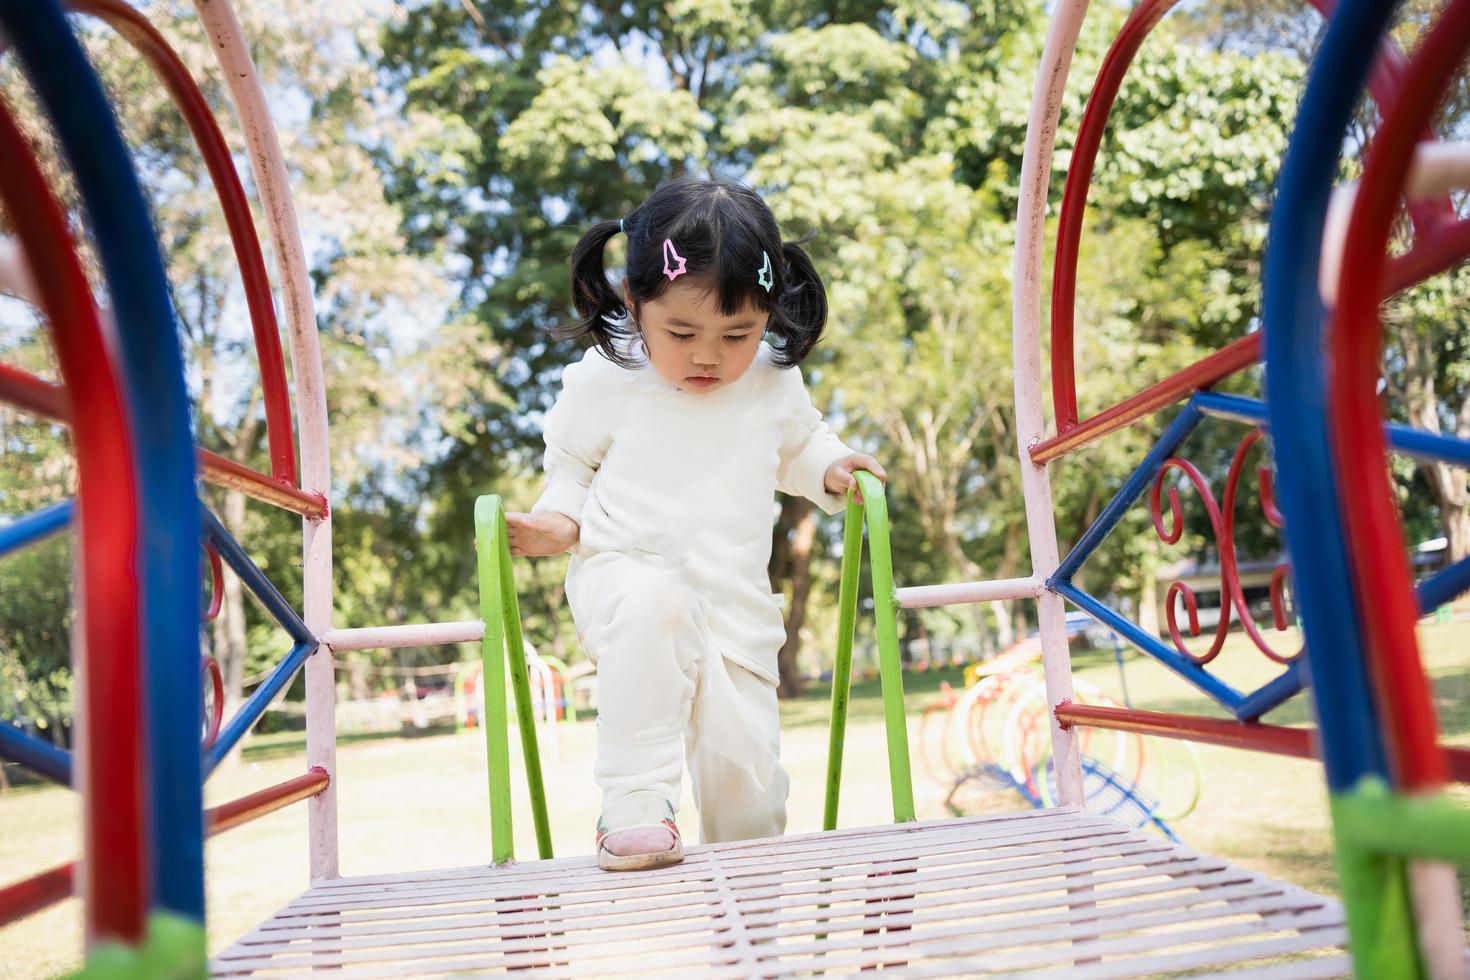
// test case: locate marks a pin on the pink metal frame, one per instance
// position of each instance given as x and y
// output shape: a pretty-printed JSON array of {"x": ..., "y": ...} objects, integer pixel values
[
  {"x": 269, "y": 168},
  {"x": 1046, "y": 103},
  {"x": 1440, "y": 242}
]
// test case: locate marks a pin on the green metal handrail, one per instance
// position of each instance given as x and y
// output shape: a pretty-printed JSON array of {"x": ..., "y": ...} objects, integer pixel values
[
  {"x": 874, "y": 512},
  {"x": 502, "y": 644}
]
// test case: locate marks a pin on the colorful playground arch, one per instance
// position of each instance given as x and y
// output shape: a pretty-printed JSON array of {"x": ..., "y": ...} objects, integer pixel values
[{"x": 1053, "y": 888}]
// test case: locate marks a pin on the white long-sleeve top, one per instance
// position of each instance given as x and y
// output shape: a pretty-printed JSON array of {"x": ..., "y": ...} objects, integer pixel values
[{"x": 649, "y": 470}]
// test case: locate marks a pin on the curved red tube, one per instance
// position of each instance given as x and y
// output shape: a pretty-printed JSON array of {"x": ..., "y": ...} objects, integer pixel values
[
  {"x": 216, "y": 680},
  {"x": 134, "y": 28},
  {"x": 1354, "y": 350},
  {"x": 1384, "y": 85},
  {"x": 1177, "y": 588},
  {"x": 1278, "y": 597},
  {"x": 1228, "y": 565},
  {"x": 1130, "y": 37},
  {"x": 216, "y": 583},
  {"x": 115, "y": 830}
]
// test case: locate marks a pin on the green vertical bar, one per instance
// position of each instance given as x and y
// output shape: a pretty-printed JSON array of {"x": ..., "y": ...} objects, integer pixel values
[
  {"x": 1380, "y": 912},
  {"x": 515, "y": 650},
  {"x": 852, "y": 554},
  {"x": 488, "y": 520},
  {"x": 885, "y": 606}
]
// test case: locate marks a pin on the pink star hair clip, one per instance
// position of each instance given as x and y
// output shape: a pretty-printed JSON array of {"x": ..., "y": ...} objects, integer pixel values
[{"x": 670, "y": 257}]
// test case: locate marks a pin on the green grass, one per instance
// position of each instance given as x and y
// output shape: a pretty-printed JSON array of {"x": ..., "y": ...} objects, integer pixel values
[{"x": 420, "y": 802}]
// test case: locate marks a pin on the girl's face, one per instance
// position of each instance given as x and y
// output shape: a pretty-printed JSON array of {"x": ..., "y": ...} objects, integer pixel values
[{"x": 694, "y": 346}]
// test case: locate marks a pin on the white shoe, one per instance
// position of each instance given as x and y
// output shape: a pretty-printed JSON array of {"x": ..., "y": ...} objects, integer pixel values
[{"x": 638, "y": 832}]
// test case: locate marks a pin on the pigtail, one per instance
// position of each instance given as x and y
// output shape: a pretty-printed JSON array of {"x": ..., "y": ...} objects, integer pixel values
[
  {"x": 800, "y": 312},
  {"x": 601, "y": 309}
]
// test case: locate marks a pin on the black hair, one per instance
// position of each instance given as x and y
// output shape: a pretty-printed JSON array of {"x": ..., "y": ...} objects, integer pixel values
[{"x": 723, "y": 231}]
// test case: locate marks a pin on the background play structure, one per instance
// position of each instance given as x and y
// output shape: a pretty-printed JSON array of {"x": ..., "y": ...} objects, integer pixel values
[{"x": 1090, "y": 881}]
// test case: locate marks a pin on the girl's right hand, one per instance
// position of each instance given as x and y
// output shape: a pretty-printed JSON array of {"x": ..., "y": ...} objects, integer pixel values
[{"x": 539, "y": 535}]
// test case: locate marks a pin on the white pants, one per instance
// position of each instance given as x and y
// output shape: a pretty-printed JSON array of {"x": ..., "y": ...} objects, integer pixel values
[{"x": 664, "y": 694}]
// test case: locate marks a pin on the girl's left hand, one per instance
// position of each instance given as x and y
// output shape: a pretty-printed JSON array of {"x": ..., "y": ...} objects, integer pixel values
[{"x": 839, "y": 477}]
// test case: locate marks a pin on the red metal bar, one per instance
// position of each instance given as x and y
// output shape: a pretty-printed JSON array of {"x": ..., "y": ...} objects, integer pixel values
[
  {"x": 227, "y": 473},
  {"x": 49, "y": 887},
  {"x": 1434, "y": 252},
  {"x": 1221, "y": 364},
  {"x": 134, "y": 28},
  {"x": 115, "y": 838},
  {"x": 228, "y": 816},
  {"x": 33, "y": 894},
  {"x": 1355, "y": 352},
  {"x": 28, "y": 392},
  {"x": 1274, "y": 739},
  {"x": 50, "y": 401}
]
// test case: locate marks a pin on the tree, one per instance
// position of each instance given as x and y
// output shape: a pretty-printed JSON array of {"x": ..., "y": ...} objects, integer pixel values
[{"x": 894, "y": 132}]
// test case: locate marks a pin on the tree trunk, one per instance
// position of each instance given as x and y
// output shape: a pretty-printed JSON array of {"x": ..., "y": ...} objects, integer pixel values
[
  {"x": 230, "y": 644},
  {"x": 1453, "y": 499},
  {"x": 1457, "y": 530},
  {"x": 1148, "y": 593},
  {"x": 1447, "y": 483},
  {"x": 1005, "y": 635},
  {"x": 797, "y": 564}
]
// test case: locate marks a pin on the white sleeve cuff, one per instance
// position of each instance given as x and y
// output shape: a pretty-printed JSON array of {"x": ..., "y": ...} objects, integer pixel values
[
  {"x": 562, "y": 497},
  {"x": 806, "y": 472}
]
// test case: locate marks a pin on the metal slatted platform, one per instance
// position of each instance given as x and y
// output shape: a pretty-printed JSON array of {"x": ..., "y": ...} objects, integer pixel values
[{"x": 1050, "y": 892}]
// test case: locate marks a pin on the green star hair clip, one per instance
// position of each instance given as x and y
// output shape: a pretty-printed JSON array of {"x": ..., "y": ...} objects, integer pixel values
[{"x": 765, "y": 275}]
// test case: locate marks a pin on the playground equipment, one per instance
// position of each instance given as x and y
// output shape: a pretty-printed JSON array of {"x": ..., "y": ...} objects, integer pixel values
[
  {"x": 1038, "y": 890},
  {"x": 551, "y": 698},
  {"x": 992, "y": 737}
]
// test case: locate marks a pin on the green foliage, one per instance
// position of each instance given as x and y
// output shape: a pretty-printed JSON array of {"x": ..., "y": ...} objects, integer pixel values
[
  {"x": 35, "y": 638},
  {"x": 895, "y": 133}
]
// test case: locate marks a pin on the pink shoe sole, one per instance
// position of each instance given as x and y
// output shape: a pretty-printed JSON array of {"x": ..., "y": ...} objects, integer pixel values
[{"x": 643, "y": 847}]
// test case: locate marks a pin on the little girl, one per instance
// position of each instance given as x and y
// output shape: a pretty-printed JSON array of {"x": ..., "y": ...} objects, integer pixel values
[{"x": 663, "y": 453}]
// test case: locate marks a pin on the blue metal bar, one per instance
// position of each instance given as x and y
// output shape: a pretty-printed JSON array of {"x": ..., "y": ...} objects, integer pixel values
[
  {"x": 1177, "y": 432},
  {"x": 1443, "y": 585},
  {"x": 36, "y": 525},
  {"x": 1237, "y": 408},
  {"x": 1296, "y": 395},
  {"x": 1431, "y": 446},
  {"x": 1286, "y": 686},
  {"x": 255, "y": 705},
  {"x": 152, "y": 371},
  {"x": 40, "y": 757},
  {"x": 255, "y": 579},
  {"x": 1227, "y": 696}
]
